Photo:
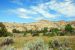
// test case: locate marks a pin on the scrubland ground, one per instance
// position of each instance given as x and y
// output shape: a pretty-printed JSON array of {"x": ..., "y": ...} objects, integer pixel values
[{"x": 20, "y": 42}]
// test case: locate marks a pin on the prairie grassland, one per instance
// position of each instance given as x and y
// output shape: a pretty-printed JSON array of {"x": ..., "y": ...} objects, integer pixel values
[{"x": 20, "y": 42}]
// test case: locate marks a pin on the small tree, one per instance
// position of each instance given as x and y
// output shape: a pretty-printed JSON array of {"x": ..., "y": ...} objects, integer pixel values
[
  {"x": 3, "y": 30},
  {"x": 45, "y": 30},
  {"x": 16, "y": 31},
  {"x": 68, "y": 28},
  {"x": 55, "y": 31}
]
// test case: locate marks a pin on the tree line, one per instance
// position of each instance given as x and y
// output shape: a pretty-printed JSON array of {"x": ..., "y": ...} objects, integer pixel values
[{"x": 68, "y": 30}]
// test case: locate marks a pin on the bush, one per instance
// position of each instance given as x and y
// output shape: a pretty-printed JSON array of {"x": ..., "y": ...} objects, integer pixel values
[
  {"x": 16, "y": 31},
  {"x": 25, "y": 33},
  {"x": 54, "y": 44},
  {"x": 3, "y": 30},
  {"x": 60, "y": 48},
  {"x": 34, "y": 33},
  {"x": 62, "y": 33},
  {"x": 44, "y": 31},
  {"x": 68, "y": 28},
  {"x": 9, "y": 34},
  {"x": 7, "y": 41},
  {"x": 66, "y": 43},
  {"x": 52, "y": 32},
  {"x": 29, "y": 31},
  {"x": 59, "y": 45}
]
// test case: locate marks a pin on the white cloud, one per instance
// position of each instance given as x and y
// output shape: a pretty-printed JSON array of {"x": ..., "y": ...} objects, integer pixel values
[
  {"x": 26, "y": 11},
  {"x": 66, "y": 8},
  {"x": 22, "y": 12},
  {"x": 38, "y": 18},
  {"x": 63, "y": 8},
  {"x": 43, "y": 10},
  {"x": 29, "y": 13},
  {"x": 24, "y": 16}
]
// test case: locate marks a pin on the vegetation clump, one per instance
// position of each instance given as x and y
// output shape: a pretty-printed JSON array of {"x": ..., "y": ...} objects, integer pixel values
[
  {"x": 16, "y": 31},
  {"x": 7, "y": 41},
  {"x": 60, "y": 45},
  {"x": 68, "y": 28},
  {"x": 3, "y": 31}
]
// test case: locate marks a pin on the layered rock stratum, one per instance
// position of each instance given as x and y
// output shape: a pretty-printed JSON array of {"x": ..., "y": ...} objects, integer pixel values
[{"x": 37, "y": 25}]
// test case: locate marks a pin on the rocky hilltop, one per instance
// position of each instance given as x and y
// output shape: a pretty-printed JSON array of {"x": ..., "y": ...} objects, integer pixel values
[{"x": 37, "y": 25}]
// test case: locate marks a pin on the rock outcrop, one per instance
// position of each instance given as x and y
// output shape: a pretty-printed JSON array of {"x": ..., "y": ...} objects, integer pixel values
[{"x": 36, "y": 25}]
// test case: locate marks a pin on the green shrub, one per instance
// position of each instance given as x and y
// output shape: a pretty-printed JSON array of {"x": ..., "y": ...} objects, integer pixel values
[
  {"x": 34, "y": 33},
  {"x": 44, "y": 31},
  {"x": 25, "y": 33},
  {"x": 3, "y": 30},
  {"x": 16, "y": 31},
  {"x": 56, "y": 30},
  {"x": 68, "y": 28},
  {"x": 52, "y": 32}
]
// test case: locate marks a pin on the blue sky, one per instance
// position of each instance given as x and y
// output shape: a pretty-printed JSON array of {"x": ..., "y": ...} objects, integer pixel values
[{"x": 26, "y": 11}]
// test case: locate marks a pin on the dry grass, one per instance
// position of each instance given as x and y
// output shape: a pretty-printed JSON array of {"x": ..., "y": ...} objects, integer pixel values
[{"x": 20, "y": 41}]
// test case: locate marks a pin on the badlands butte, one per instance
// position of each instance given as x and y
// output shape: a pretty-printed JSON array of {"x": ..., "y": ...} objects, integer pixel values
[{"x": 39, "y": 25}]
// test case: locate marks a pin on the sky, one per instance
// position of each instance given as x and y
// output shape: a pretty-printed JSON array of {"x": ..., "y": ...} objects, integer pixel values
[{"x": 26, "y": 11}]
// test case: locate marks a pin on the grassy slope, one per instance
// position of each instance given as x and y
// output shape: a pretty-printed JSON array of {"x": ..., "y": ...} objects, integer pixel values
[{"x": 20, "y": 41}]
